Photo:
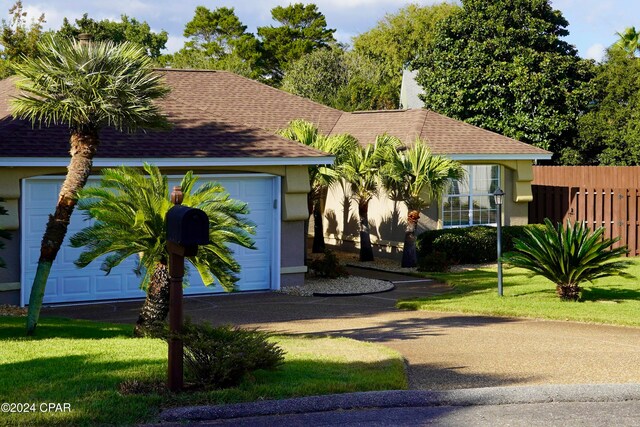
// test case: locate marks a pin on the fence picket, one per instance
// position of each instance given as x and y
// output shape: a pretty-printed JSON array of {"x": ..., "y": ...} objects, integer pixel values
[{"x": 601, "y": 196}]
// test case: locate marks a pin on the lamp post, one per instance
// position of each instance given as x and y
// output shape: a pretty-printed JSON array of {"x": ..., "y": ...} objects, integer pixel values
[{"x": 498, "y": 197}]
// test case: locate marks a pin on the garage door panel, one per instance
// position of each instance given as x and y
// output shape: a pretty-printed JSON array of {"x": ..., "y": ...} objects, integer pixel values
[
  {"x": 77, "y": 286},
  {"x": 67, "y": 283}
]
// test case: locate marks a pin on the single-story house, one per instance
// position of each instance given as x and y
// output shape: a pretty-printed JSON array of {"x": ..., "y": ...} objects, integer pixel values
[{"x": 223, "y": 129}]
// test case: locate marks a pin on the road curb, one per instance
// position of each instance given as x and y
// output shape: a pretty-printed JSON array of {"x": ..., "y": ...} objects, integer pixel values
[{"x": 410, "y": 398}]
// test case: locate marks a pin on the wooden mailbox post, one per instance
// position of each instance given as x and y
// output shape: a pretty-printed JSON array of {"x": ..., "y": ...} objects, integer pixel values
[{"x": 187, "y": 228}]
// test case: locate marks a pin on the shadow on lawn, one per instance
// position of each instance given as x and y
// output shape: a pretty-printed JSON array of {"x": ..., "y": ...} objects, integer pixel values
[
  {"x": 609, "y": 294},
  {"x": 51, "y": 327}
]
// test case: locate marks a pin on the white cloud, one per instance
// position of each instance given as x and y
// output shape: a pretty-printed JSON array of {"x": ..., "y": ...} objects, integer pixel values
[
  {"x": 175, "y": 43},
  {"x": 596, "y": 52}
]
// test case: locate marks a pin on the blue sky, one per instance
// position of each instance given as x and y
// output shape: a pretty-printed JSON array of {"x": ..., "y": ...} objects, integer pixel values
[{"x": 592, "y": 23}]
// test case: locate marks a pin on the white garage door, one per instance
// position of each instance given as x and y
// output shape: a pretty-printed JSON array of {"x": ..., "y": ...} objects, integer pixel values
[{"x": 67, "y": 283}]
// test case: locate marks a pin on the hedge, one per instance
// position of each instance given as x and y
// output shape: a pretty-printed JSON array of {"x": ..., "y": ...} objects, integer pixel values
[{"x": 468, "y": 245}]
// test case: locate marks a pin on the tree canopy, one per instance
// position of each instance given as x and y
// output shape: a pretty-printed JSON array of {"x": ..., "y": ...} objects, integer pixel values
[
  {"x": 127, "y": 29},
  {"x": 217, "y": 40},
  {"x": 301, "y": 29},
  {"x": 503, "y": 66},
  {"x": 398, "y": 38},
  {"x": 609, "y": 132},
  {"x": 18, "y": 38}
]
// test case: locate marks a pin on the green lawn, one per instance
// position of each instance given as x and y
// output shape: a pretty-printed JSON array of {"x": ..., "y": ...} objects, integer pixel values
[
  {"x": 612, "y": 300},
  {"x": 82, "y": 364}
]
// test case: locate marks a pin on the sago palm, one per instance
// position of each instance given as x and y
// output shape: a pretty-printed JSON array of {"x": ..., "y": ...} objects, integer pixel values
[
  {"x": 129, "y": 210},
  {"x": 85, "y": 86},
  {"x": 416, "y": 177},
  {"x": 361, "y": 170},
  {"x": 568, "y": 256},
  {"x": 321, "y": 177}
]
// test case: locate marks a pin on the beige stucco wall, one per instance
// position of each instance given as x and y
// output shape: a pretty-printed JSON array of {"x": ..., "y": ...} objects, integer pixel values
[
  {"x": 294, "y": 189},
  {"x": 387, "y": 219}
]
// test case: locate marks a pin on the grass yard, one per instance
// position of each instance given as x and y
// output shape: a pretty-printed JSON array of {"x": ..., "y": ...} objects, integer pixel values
[
  {"x": 83, "y": 363},
  {"x": 612, "y": 300}
]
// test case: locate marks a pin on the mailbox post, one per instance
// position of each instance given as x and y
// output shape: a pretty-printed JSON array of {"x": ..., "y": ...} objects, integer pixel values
[{"x": 186, "y": 229}]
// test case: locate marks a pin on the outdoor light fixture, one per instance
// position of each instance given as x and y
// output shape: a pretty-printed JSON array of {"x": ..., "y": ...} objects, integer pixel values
[{"x": 498, "y": 197}]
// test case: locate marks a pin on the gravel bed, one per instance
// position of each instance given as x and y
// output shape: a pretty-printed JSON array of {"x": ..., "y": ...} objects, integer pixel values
[
  {"x": 340, "y": 286},
  {"x": 12, "y": 310}
]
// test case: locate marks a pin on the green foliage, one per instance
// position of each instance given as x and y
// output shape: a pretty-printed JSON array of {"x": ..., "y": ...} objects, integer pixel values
[
  {"x": 628, "y": 42},
  {"x": 84, "y": 363},
  {"x": 18, "y": 38},
  {"x": 321, "y": 176},
  {"x": 129, "y": 209},
  {"x": 434, "y": 262},
  {"x": 347, "y": 81},
  {"x": 302, "y": 29},
  {"x": 88, "y": 86},
  {"x": 4, "y": 234},
  {"x": 503, "y": 66},
  {"x": 468, "y": 245},
  {"x": 568, "y": 256},
  {"x": 319, "y": 75},
  {"x": 128, "y": 29},
  {"x": 609, "y": 132},
  {"x": 610, "y": 300},
  {"x": 328, "y": 265},
  {"x": 221, "y": 356},
  {"x": 218, "y": 40},
  {"x": 415, "y": 176},
  {"x": 397, "y": 39}
]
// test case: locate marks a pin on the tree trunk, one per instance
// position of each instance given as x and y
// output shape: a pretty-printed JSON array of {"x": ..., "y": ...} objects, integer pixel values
[
  {"x": 84, "y": 144},
  {"x": 409, "y": 254},
  {"x": 156, "y": 306},
  {"x": 366, "y": 251},
  {"x": 569, "y": 292},
  {"x": 318, "y": 229}
]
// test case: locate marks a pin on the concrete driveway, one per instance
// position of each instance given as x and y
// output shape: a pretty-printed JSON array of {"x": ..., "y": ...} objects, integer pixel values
[{"x": 444, "y": 351}]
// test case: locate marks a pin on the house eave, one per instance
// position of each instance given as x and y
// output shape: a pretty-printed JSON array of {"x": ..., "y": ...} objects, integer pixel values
[
  {"x": 487, "y": 157},
  {"x": 167, "y": 162}
]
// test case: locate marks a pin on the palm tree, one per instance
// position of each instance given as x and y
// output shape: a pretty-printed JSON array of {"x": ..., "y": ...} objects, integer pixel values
[
  {"x": 85, "y": 86},
  {"x": 568, "y": 256},
  {"x": 629, "y": 41},
  {"x": 361, "y": 169},
  {"x": 416, "y": 177},
  {"x": 320, "y": 176},
  {"x": 129, "y": 210}
]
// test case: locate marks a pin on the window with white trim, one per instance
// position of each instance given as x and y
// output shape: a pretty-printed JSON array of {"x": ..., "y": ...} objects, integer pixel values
[{"x": 470, "y": 201}]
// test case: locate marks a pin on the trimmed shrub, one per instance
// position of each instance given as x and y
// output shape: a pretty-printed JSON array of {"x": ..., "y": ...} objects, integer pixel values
[
  {"x": 469, "y": 245},
  {"x": 328, "y": 266},
  {"x": 220, "y": 356},
  {"x": 435, "y": 262}
]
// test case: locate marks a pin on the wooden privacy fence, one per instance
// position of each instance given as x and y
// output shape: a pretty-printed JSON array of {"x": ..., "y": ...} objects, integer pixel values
[{"x": 601, "y": 196}]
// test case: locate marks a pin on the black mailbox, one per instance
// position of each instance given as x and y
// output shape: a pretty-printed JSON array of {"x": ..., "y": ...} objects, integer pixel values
[{"x": 187, "y": 226}]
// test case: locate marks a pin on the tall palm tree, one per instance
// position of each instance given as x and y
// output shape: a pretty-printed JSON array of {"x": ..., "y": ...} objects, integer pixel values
[
  {"x": 417, "y": 177},
  {"x": 361, "y": 169},
  {"x": 129, "y": 210},
  {"x": 629, "y": 41},
  {"x": 320, "y": 176},
  {"x": 85, "y": 86}
]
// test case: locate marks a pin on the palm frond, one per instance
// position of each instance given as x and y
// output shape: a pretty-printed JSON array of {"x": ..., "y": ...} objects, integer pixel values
[
  {"x": 129, "y": 210},
  {"x": 96, "y": 84}
]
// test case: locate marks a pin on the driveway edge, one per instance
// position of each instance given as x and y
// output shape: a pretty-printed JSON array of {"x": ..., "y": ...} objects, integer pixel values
[{"x": 411, "y": 398}]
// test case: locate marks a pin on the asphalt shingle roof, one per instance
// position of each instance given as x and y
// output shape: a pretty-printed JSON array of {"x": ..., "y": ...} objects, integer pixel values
[
  {"x": 218, "y": 114},
  {"x": 443, "y": 134}
]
